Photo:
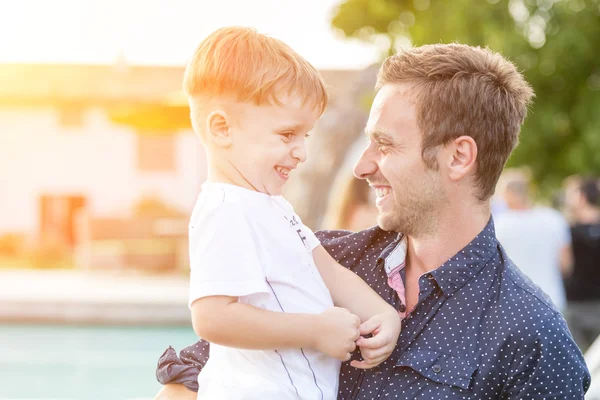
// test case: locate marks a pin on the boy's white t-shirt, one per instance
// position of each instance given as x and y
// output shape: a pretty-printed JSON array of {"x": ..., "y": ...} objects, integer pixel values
[{"x": 253, "y": 246}]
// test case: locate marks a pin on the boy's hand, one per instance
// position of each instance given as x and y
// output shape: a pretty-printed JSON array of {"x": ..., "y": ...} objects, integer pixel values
[
  {"x": 385, "y": 329},
  {"x": 338, "y": 330}
]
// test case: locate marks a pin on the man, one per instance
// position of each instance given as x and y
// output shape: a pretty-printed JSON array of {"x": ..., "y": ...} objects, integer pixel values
[
  {"x": 583, "y": 286},
  {"x": 537, "y": 239},
  {"x": 443, "y": 123}
]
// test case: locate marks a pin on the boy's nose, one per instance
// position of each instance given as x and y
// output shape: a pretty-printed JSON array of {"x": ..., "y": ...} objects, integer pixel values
[{"x": 299, "y": 153}]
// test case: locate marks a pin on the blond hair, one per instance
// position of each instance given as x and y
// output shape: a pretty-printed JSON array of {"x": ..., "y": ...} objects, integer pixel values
[
  {"x": 248, "y": 66},
  {"x": 464, "y": 90}
]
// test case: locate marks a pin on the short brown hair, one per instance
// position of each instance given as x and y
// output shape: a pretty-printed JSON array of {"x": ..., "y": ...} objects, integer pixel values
[
  {"x": 464, "y": 90},
  {"x": 240, "y": 62}
]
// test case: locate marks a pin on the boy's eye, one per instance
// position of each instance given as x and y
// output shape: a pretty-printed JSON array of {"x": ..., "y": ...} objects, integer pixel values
[{"x": 287, "y": 136}]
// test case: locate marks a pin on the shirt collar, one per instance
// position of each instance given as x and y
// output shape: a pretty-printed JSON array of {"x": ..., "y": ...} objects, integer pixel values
[
  {"x": 458, "y": 270},
  {"x": 467, "y": 263}
]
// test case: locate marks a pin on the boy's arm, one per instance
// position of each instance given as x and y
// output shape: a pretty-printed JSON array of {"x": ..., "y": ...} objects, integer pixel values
[
  {"x": 347, "y": 289},
  {"x": 225, "y": 321},
  {"x": 379, "y": 318}
]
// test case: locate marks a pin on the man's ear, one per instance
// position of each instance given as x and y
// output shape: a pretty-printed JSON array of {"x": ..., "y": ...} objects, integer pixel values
[
  {"x": 219, "y": 129},
  {"x": 462, "y": 158}
]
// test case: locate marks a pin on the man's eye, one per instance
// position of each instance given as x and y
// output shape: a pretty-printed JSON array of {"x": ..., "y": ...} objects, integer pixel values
[{"x": 382, "y": 147}]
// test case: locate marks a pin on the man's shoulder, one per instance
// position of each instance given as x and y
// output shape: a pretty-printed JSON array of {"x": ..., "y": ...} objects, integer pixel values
[
  {"x": 340, "y": 243},
  {"x": 520, "y": 295}
]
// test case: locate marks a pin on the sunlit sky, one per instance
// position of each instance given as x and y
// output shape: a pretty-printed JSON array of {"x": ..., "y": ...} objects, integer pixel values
[{"x": 165, "y": 32}]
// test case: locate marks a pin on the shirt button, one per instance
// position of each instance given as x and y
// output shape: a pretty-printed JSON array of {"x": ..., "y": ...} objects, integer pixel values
[
  {"x": 437, "y": 368},
  {"x": 401, "y": 308},
  {"x": 429, "y": 276},
  {"x": 377, "y": 370}
]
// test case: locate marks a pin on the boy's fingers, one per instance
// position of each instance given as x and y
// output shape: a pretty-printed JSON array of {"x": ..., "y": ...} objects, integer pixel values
[
  {"x": 374, "y": 342},
  {"x": 374, "y": 354},
  {"x": 369, "y": 326},
  {"x": 364, "y": 364}
]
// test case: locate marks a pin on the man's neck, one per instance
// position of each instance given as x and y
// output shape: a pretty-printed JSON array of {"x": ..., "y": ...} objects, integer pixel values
[{"x": 453, "y": 232}]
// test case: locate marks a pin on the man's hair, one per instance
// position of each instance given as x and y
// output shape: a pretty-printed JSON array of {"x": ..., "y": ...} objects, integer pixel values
[
  {"x": 248, "y": 66},
  {"x": 590, "y": 190},
  {"x": 464, "y": 90}
]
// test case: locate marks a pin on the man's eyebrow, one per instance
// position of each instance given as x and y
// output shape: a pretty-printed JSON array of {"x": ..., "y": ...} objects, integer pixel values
[{"x": 379, "y": 136}]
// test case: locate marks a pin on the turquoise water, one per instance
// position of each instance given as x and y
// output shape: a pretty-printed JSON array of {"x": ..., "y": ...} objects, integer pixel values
[{"x": 83, "y": 362}]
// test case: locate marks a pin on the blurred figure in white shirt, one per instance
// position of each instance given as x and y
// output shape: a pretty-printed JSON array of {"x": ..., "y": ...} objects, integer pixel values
[{"x": 536, "y": 238}]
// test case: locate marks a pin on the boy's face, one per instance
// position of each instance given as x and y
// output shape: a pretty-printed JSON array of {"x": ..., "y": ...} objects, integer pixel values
[{"x": 268, "y": 142}]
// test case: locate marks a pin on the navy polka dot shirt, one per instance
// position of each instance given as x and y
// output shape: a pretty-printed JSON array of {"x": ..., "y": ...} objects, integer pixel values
[{"x": 480, "y": 330}]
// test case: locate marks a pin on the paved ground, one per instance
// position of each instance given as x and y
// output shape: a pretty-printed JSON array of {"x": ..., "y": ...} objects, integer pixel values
[{"x": 93, "y": 297}]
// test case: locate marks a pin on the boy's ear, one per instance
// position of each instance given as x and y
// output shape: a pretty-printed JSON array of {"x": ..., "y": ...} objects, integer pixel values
[{"x": 218, "y": 128}]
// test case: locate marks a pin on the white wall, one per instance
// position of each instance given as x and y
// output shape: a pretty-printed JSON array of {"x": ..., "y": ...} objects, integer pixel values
[{"x": 97, "y": 160}]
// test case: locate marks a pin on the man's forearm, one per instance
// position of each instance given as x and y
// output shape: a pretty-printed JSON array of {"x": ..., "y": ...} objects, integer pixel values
[{"x": 244, "y": 326}]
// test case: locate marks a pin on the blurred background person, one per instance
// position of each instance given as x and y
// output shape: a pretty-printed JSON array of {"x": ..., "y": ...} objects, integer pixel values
[
  {"x": 583, "y": 285},
  {"x": 536, "y": 238},
  {"x": 352, "y": 207}
]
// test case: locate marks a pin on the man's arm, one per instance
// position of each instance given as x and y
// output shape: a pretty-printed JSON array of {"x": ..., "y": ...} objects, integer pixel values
[
  {"x": 183, "y": 368},
  {"x": 550, "y": 367},
  {"x": 566, "y": 261}
]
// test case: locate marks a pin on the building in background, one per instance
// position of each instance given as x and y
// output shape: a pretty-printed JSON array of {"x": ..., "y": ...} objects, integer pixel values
[{"x": 100, "y": 160}]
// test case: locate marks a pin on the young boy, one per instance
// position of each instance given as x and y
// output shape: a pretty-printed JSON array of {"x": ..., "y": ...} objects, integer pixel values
[{"x": 262, "y": 288}]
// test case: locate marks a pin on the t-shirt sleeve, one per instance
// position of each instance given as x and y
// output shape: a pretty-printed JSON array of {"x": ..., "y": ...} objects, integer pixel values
[{"x": 224, "y": 256}]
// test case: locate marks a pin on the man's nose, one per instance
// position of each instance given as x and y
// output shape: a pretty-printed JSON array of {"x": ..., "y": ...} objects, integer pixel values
[{"x": 365, "y": 166}]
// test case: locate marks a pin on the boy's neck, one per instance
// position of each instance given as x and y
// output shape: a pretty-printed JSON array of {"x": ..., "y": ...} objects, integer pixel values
[{"x": 231, "y": 176}]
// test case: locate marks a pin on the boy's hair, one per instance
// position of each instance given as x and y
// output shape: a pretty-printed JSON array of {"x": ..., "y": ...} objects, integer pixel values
[
  {"x": 464, "y": 90},
  {"x": 248, "y": 66}
]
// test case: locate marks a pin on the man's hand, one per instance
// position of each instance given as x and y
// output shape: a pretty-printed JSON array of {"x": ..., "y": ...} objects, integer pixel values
[
  {"x": 174, "y": 391},
  {"x": 337, "y": 332},
  {"x": 385, "y": 329}
]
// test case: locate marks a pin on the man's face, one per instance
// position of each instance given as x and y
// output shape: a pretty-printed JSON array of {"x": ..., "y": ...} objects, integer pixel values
[
  {"x": 269, "y": 142},
  {"x": 409, "y": 194}
]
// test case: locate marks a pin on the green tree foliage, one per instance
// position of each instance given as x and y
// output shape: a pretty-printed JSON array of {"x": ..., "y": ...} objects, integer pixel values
[{"x": 555, "y": 43}]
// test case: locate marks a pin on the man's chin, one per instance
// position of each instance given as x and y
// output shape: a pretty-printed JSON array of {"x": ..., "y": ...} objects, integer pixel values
[{"x": 386, "y": 223}]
